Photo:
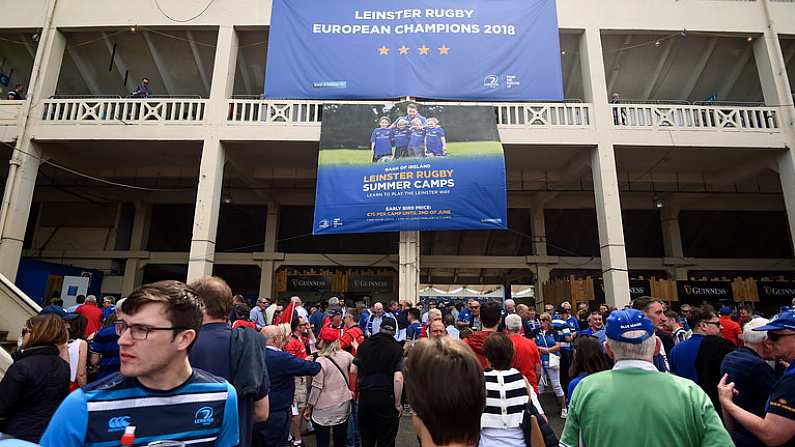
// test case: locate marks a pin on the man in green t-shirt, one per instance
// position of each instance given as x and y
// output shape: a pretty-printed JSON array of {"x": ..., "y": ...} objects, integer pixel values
[{"x": 634, "y": 404}]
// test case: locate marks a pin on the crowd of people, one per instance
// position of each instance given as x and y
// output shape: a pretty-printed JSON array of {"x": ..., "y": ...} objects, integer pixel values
[{"x": 193, "y": 363}]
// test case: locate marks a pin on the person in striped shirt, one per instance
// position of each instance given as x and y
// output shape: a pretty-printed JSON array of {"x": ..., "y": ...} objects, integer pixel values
[
  {"x": 156, "y": 391},
  {"x": 507, "y": 395}
]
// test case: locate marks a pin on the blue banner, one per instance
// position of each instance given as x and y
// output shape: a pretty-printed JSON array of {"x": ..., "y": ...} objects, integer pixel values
[
  {"x": 408, "y": 168},
  {"x": 447, "y": 49}
]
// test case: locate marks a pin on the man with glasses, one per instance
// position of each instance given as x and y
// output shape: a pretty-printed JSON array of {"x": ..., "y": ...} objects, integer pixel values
[
  {"x": 157, "y": 391},
  {"x": 699, "y": 357},
  {"x": 777, "y": 426}
]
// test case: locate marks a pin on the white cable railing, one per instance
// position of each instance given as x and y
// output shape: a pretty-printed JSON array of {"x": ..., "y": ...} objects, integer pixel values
[
  {"x": 694, "y": 117},
  {"x": 124, "y": 111}
]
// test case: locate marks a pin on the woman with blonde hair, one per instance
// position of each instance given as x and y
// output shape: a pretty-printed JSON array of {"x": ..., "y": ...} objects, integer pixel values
[
  {"x": 329, "y": 403},
  {"x": 37, "y": 381}
]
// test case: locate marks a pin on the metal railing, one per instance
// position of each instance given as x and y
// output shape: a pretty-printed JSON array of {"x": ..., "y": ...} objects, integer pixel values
[
  {"x": 124, "y": 111},
  {"x": 694, "y": 117}
]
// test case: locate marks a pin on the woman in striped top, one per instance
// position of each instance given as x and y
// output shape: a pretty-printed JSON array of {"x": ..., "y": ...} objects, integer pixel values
[{"x": 507, "y": 395}]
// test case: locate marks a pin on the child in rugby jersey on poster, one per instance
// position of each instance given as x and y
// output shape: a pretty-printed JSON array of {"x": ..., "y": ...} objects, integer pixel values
[
  {"x": 402, "y": 135},
  {"x": 435, "y": 141},
  {"x": 417, "y": 139},
  {"x": 381, "y": 141}
]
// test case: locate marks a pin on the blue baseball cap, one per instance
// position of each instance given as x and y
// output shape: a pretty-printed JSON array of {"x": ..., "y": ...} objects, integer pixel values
[
  {"x": 629, "y": 320},
  {"x": 784, "y": 320},
  {"x": 725, "y": 310}
]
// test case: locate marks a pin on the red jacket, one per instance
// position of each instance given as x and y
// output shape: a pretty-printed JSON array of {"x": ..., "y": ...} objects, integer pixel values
[
  {"x": 730, "y": 329},
  {"x": 348, "y": 336},
  {"x": 475, "y": 341},
  {"x": 526, "y": 357},
  {"x": 93, "y": 316},
  {"x": 296, "y": 347}
]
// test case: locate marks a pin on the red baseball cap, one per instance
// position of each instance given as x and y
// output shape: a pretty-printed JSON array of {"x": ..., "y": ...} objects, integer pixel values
[{"x": 329, "y": 334}]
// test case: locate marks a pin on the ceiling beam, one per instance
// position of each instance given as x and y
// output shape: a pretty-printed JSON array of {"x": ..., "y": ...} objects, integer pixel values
[
  {"x": 118, "y": 60},
  {"x": 241, "y": 61},
  {"x": 160, "y": 64},
  {"x": 575, "y": 167},
  {"x": 698, "y": 69},
  {"x": 734, "y": 73},
  {"x": 202, "y": 69},
  {"x": 743, "y": 171},
  {"x": 617, "y": 66},
  {"x": 87, "y": 75},
  {"x": 662, "y": 62}
]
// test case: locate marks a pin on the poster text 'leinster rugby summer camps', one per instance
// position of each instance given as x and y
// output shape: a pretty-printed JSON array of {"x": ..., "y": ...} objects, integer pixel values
[{"x": 412, "y": 166}]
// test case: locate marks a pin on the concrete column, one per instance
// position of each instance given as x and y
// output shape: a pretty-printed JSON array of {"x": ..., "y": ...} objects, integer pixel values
[
  {"x": 133, "y": 276},
  {"x": 776, "y": 91},
  {"x": 266, "y": 279},
  {"x": 542, "y": 276},
  {"x": 211, "y": 172},
  {"x": 672, "y": 238},
  {"x": 409, "y": 273},
  {"x": 603, "y": 166},
  {"x": 271, "y": 236},
  {"x": 539, "y": 231},
  {"x": 208, "y": 206},
  {"x": 142, "y": 222},
  {"x": 24, "y": 164}
]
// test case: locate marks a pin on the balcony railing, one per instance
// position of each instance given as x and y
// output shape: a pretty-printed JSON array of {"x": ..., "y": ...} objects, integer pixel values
[
  {"x": 124, "y": 111},
  {"x": 695, "y": 117},
  {"x": 9, "y": 112},
  {"x": 250, "y": 111},
  {"x": 523, "y": 115}
]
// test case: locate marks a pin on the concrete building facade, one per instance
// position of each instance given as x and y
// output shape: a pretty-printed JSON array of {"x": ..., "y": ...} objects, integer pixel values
[{"x": 677, "y": 134}]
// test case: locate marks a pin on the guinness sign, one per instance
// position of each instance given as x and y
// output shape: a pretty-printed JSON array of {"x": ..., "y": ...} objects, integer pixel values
[
  {"x": 637, "y": 287},
  {"x": 776, "y": 290},
  {"x": 308, "y": 283},
  {"x": 697, "y": 291},
  {"x": 369, "y": 283}
]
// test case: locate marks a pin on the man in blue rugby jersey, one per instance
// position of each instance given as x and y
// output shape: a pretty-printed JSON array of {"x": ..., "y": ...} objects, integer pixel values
[{"x": 156, "y": 391}]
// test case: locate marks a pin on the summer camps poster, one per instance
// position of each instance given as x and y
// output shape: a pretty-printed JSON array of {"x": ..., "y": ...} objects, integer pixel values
[{"x": 407, "y": 167}]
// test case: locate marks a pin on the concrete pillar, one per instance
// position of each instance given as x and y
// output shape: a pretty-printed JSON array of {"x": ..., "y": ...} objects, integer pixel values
[
  {"x": 542, "y": 276},
  {"x": 539, "y": 231},
  {"x": 142, "y": 222},
  {"x": 208, "y": 206},
  {"x": 271, "y": 236},
  {"x": 133, "y": 276},
  {"x": 776, "y": 91},
  {"x": 672, "y": 238},
  {"x": 409, "y": 272},
  {"x": 266, "y": 279},
  {"x": 605, "y": 178},
  {"x": 211, "y": 172},
  {"x": 24, "y": 164}
]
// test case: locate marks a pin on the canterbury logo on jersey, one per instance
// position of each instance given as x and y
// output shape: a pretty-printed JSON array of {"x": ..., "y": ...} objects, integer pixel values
[{"x": 118, "y": 423}]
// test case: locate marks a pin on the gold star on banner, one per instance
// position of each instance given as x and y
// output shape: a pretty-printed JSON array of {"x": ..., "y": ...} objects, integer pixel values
[
  {"x": 443, "y": 49},
  {"x": 423, "y": 50},
  {"x": 404, "y": 50},
  {"x": 383, "y": 51}
]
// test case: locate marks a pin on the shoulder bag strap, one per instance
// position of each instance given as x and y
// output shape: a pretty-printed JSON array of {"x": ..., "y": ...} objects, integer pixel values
[{"x": 344, "y": 376}]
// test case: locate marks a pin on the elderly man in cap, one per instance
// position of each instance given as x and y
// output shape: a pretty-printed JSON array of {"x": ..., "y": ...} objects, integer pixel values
[
  {"x": 777, "y": 426},
  {"x": 634, "y": 404},
  {"x": 93, "y": 315}
]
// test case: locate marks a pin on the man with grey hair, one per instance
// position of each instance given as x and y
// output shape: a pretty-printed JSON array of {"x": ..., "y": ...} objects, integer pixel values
[
  {"x": 510, "y": 306},
  {"x": 749, "y": 371},
  {"x": 526, "y": 358},
  {"x": 93, "y": 315},
  {"x": 376, "y": 318},
  {"x": 634, "y": 404}
]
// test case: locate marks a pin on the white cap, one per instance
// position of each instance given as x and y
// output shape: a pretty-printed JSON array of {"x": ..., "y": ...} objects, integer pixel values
[{"x": 129, "y": 430}]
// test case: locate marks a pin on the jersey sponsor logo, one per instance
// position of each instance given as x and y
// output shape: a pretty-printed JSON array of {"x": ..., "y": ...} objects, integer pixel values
[
  {"x": 203, "y": 416},
  {"x": 118, "y": 423}
]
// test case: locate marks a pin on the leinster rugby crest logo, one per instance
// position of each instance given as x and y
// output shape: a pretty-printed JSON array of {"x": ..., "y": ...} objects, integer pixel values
[
  {"x": 204, "y": 416},
  {"x": 491, "y": 81}
]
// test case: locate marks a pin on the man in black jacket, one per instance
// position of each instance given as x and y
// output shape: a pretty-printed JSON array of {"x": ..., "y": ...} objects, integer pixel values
[{"x": 379, "y": 361}]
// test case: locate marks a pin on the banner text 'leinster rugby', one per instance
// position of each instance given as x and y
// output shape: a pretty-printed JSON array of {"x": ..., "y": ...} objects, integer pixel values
[
  {"x": 414, "y": 28},
  {"x": 435, "y": 178}
]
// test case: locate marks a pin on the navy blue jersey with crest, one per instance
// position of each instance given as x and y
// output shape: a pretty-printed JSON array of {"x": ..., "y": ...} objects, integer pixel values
[{"x": 200, "y": 412}]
